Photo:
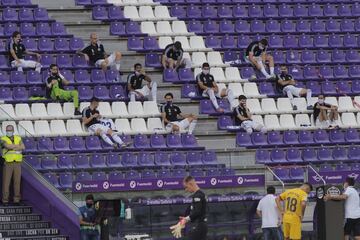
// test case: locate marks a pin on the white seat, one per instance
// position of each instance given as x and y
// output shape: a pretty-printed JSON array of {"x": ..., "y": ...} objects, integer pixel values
[
  {"x": 54, "y": 110},
  {"x": 164, "y": 41},
  {"x": 26, "y": 128},
  {"x": 186, "y": 55},
  {"x": 6, "y": 123},
  {"x": 358, "y": 118},
  {"x": 232, "y": 74},
  {"x": 151, "y": 109},
  {"x": 131, "y": 12},
  {"x": 221, "y": 86},
  {"x": 179, "y": 27},
  {"x": 42, "y": 128},
  {"x": 123, "y": 126},
  {"x": 348, "y": 120},
  {"x": 105, "y": 109},
  {"x": 148, "y": 28},
  {"x": 129, "y": 2},
  {"x": 58, "y": 128},
  {"x": 215, "y": 59},
  {"x": 287, "y": 121},
  {"x": 119, "y": 109},
  {"x": 197, "y": 43},
  {"x": 73, "y": 127},
  {"x": 146, "y": 12},
  {"x": 218, "y": 74},
  {"x": 197, "y": 71},
  {"x": 7, "y": 112},
  {"x": 284, "y": 105},
  {"x": 300, "y": 103},
  {"x": 83, "y": 105},
  {"x": 38, "y": 110},
  {"x": 184, "y": 42},
  {"x": 145, "y": 2},
  {"x": 357, "y": 100},
  {"x": 254, "y": 105},
  {"x": 346, "y": 104},
  {"x": 331, "y": 100},
  {"x": 302, "y": 120},
  {"x": 69, "y": 109},
  {"x": 155, "y": 125},
  {"x": 251, "y": 90},
  {"x": 115, "y": 2},
  {"x": 22, "y": 111},
  {"x": 138, "y": 125},
  {"x": 272, "y": 122},
  {"x": 198, "y": 58},
  {"x": 163, "y": 27},
  {"x": 236, "y": 88},
  {"x": 135, "y": 109},
  {"x": 268, "y": 105},
  {"x": 161, "y": 12},
  {"x": 258, "y": 119}
]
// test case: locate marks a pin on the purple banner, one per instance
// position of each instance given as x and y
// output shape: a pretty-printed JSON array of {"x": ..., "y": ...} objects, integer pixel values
[
  {"x": 335, "y": 177},
  {"x": 249, "y": 180}
]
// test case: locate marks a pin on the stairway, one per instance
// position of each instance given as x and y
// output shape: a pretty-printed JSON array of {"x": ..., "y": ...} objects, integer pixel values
[{"x": 20, "y": 222}]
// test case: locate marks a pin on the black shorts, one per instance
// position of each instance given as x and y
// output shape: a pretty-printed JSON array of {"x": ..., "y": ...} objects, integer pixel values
[
  {"x": 352, "y": 226},
  {"x": 197, "y": 231}
]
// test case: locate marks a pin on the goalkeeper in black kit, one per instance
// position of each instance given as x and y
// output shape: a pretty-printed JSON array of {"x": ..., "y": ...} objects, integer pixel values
[{"x": 195, "y": 215}]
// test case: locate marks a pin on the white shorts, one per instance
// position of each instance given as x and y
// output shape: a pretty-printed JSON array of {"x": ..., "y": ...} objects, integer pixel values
[
  {"x": 111, "y": 60},
  {"x": 251, "y": 124},
  {"x": 95, "y": 127},
  {"x": 258, "y": 59},
  {"x": 217, "y": 94},
  {"x": 295, "y": 91},
  {"x": 321, "y": 124},
  {"x": 183, "y": 124},
  {"x": 145, "y": 91},
  {"x": 25, "y": 63}
]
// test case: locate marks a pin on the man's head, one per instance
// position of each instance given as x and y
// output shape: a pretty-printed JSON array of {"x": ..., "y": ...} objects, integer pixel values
[
  {"x": 9, "y": 130},
  {"x": 93, "y": 38},
  {"x": 137, "y": 67},
  {"x": 16, "y": 36},
  {"x": 177, "y": 45},
  {"x": 205, "y": 68},
  {"x": 242, "y": 100},
  {"x": 94, "y": 102},
  {"x": 321, "y": 99},
  {"x": 169, "y": 97},
  {"x": 89, "y": 199},
  {"x": 270, "y": 190},
  {"x": 263, "y": 43},
  {"x": 54, "y": 70},
  {"x": 349, "y": 181},
  {"x": 307, "y": 187},
  {"x": 190, "y": 184},
  {"x": 283, "y": 69}
]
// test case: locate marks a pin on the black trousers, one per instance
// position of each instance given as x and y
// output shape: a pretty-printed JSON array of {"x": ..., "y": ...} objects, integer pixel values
[{"x": 197, "y": 231}]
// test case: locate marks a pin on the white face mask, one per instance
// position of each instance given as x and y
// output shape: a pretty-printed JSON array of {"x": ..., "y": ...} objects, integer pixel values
[
  {"x": 205, "y": 72},
  {"x": 137, "y": 73},
  {"x": 321, "y": 101},
  {"x": 9, "y": 133}
]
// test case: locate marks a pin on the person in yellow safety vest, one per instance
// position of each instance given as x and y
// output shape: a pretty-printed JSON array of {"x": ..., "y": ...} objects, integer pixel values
[{"x": 12, "y": 154}]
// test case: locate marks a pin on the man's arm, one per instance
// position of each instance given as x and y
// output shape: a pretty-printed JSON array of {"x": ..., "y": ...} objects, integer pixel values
[
  {"x": 83, "y": 223},
  {"x": 242, "y": 118},
  {"x": 248, "y": 113},
  {"x": 84, "y": 52},
  {"x": 12, "y": 52},
  {"x": 33, "y": 53},
  {"x": 163, "y": 116},
  {"x": 303, "y": 207},
  {"x": 9, "y": 146},
  {"x": 258, "y": 212},
  {"x": 341, "y": 197},
  {"x": 201, "y": 85},
  {"x": 215, "y": 87},
  {"x": 20, "y": 147},
  {"x": 86, "y": 119},
  {"x": 253, "y": 60},
  {"x": 278, "y": 201}
]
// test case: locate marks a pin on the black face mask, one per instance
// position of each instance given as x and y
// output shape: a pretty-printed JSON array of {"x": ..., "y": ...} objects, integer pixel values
[
  {"x": 283, "y": 73},
  {"x": 89, "y": 205},
  {"x": 169, "y": 102}
]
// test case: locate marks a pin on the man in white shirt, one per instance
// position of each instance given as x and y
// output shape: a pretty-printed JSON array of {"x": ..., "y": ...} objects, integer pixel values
[
  {"x": 270, "y": 216},
  {"x": 352, "y": 208}
]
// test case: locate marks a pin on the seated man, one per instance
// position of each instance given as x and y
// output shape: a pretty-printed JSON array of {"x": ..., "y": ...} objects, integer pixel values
[
  {"x": 135, "y": 84},
  {"x": 91, "y": 120},
  {"x": 95, "y": 54},
  {"x": 17, "y": 51},
  {"x": 173, "y": 57},
  {"x": 170, "y": 113},
  {"x": 325, "y": 115},
  {"x": 257, "y": 56},
  {"x": 55, "y": 88},
  {"x": 285, "y": 83},
  {"x": 243, "y": 118},
  {"x": 209, "y": 88}
]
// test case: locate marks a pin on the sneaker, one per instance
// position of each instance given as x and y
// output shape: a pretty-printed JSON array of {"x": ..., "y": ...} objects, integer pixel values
[
  {"x": 125, "y": 145},
  {"x": 77, "y": 112},
  {"x": 310, "y": 107},
  {"x": 295, "y": 108},
  {"x": 115, "y": 146}
]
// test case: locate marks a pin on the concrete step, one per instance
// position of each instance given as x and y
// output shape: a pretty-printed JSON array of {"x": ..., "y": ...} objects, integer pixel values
[
  {"x": 24, "y": 225},
  {"x": 14, "y": 210},
  {"x": 21, "y": 218},
  {"x": 30, "y": 232},
  {"x": 71, "y": 15}
]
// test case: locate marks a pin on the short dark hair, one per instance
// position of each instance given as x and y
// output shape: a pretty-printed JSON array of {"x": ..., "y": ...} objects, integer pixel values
[
  {"x": 350, "y": 181},
  {"x": 264, "y": 42},
  {"x": 309, "y": 185},
  {"x": 169, "y": 94},
  {"x": 270, "y": 190},
  {"x": 177, "y": 45},
  {"x": 53, "y": 65},
  {"x": 205, "y": 64},
  {"x": 15, "y": 34},
  {"x": 242, "y": 97},
  {"x": 189, "y": 179},
  {"x": 94, "y": 99},
  {"x": 137, "y": 64},
  {"x": 89, "y": 197}
]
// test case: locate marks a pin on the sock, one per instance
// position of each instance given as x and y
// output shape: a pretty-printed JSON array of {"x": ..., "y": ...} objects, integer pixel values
[
  {"x": 38, "y": 67},
  {"x": 117, "y": 138},
  {"x": 291, "y": 97},
  {"x": 117, "y": 66},
  {"x": 154, "y": 90},
  {"x": 106, "y": 138},
  {"x": 132, "y": 97},
  {"x": 192, "y": 126},
  {"x": 212, "y": 97},
  {"x": 263, "y": 71},
  {"x": 20, "y": 69},
  {"x": 308, "y": 97},
  {"x": 263, "y": 129},
  {"x": 271, "y": 70}
]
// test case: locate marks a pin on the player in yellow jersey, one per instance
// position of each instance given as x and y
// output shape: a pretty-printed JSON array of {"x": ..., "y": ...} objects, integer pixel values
[{"x": 294, "y": 209}]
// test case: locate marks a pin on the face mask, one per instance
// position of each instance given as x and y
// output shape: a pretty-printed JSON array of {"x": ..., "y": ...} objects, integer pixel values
[
  {"x": 55, "y": 73},
  {"x": 321, "y": 101},
  {"x": 283, "y": 72},
  {"x": 89, "y": 205},
  {"x": 206, "y": 72},
  {"x": 261, "y": 47},
  {"x": 168, "y": 102},
  {"x": 9, "y": 133},
  {"x": 137, "y": 73}
]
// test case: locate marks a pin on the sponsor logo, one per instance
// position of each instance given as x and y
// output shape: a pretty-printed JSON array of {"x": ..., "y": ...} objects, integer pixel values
[
  {"x": 213, "y": 181},
  {"x": 320, "y": 193},
  {"x": 106, "y": 185},
  {"x": 240, "y": 180},
  {"x": 333, "y": 191},
  {"x": 160, "y": 183},
  {"x": 132, "y": 184},
  {"x": 317, "y": 178},
  {"x": 354, "y": 175},
  {"x": 78, "y": 186}
]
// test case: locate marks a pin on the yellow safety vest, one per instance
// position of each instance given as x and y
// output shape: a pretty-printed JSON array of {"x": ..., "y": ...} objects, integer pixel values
[{"x": 12, "y": 155}]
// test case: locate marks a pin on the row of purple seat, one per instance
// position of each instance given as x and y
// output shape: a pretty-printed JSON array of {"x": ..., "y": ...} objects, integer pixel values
[
  {"x": 95, "y": 144},
  {"x": 24, "y": 14},
  {"x": 31, "y": 30},
  {"x": 257, "y": 2},
  {"x": 308, "y": 155},
  {"x": 125, "y": 160},
  {"x": 300, "y": 138}
]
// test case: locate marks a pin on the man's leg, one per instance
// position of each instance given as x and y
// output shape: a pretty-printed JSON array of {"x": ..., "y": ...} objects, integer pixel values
[
  {"x": 7, "y": 174},
  {"x": 98, "y": 130},
  {"x": 308, "y": 94},
  {"x": 115, "y": 137},
  {"x": 132, "y": 96},
  {"x": 153, "y": 90},
  {"x": 262, "y": 69},
  {"x": 286, "y": 230},
  {"x": 334, "y": 116},
  {"x": 211, "y": 94},
  {"x": 193, "y": 122},
  {"x": 290, "y": 96},
  {"x": 17, "y": 182},
  {"x": 170, "y": 63},
  {"x": 113, "y": 60},
  {"x": 247, "y": 126},
  {"x": 270, "y": 59},
  {"x": 295, "y": 231},
  {"x": 69, "y": 95},
  {"x": 258, "y": 127},
  {"x": 230, "y": 97},
  {"x": 31, "y": 64},
  {"x": 267, "y": 234}
]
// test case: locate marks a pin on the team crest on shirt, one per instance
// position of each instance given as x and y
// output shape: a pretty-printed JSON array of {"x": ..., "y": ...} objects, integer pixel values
[{"x": 353, "y": 175}]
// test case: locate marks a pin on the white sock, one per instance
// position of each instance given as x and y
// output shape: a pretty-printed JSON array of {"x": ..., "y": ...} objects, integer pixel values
[
  {"x": 192, "y": 126},
  {"x": 308, "y": 97},
  {"x": 212, "y": 97},
  {"x": 117, "y": 66},
  {"x": 263, "y": 71},
  {"x": 271, "y": 70},
  {"x": 106, "y": 138},
  {"x": 20, "y": 69},
  {"x": 117, "y": 138},
  {"x": 38, "y": 67},
  {"x": 132, "y": 97},
  {"x": 231, "y": 98},
  {"x": 154, "y": 90},
  {"x": 291, "y": 97}
]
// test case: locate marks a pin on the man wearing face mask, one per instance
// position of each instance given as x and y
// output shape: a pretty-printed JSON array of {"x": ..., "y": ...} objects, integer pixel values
[
  {"x": 325, "y": 114},
  {"x": 257, "y": 56},
  {"x": 89, "y": 230},
  {"x": 243, "y": 118},
  {"x": 285, "y": 84},
  {"x": 91, "y": 119},
  {"x": 17, "y": 53},
  {"x": 170, "y": 113},
  {"x": 55, "y": 88},
  {"x": 173, "y": 57},
  {"x": 135, "y": 84},
  {"x": 12, "y": 153},
  {"x": 209, "y": 88}
]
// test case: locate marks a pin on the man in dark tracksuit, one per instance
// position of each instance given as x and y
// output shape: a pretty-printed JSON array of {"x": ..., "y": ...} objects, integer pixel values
[{"x": 195, "y": 214}]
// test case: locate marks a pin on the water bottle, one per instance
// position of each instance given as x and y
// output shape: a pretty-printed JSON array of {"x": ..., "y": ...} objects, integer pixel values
[{"x": 128, "y": 213}]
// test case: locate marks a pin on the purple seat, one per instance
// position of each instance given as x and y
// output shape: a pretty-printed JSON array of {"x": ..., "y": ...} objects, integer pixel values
[
  {"x": 52, "y": 178},
  {"x": 20, "y": 93},
  {"x": 148, "y": 174},
  {"x": 157, "y": 141},
  {"x": 227, "y": 172},
  {"x": 162, "y": 159},
  {"x": 324, "y": 154},
  {"x": 300, "y": 10},
  {"x": 277, "y": 155},
  {"x": 272, "y": 26},
  {"x": 208, "y": 11},
  {"x": 8, "y": 2},
  {"x": 141, "y": 141},
  {"x": 76, "y": 44},
  {"x": 242, "y": 26},
  {"x": 115, "y": 175},
  {"x": 85, "y": 92},
  {"x": 77, "y": 143},
  {"x": 209, "y": 158},
  {"x": 129, "y": 160},
  {"x": 335, "y": 40},
  {"x": 99, "y": 13},
  {"x": 243, "y": 41},
  {"x": 212, "y": 172},
  {"x": 115, "y": 13},
  {"x": 117, "y": 28},
  {"x": 58, "y": 29},
  {"x": 101, "y": 92},
  {"x": 255, "y": 11},
  {"x": 290, "y": 41},
  {"x": 132, "y": 28},
  {"x": 41, "y": 14},
  {"x": 97, "y": 76},
  {"x": 26, "y": 14},
  {"x": 113, "y": 160},
  {"x": 355, "y": 166},
  {"x": 246, "y": 72},
  {"x": 275, "y": 41},
  {"x": 354, "y": 153},
  {"x": 61, "y": 44},
  {"x": 290, "y": 137},
  {"x": 352, "y": 56},
  {"x": 99, "y": 176},
  {"x": 179, "y": 173},
  {"x": 309, "y": 155},
  {"x": 63, "y": 61},
  {"x": 196, "y": 172},
  {"x": 355, "y": 87},
  {"x": 112, "y": 75},
  {"x": 336, "y": 136},
  {"x": 211, "y": 27},
  {"x": 45, "y": 44},
  {"x": 321, "y": 41},
  {"x": 350, "y": 40},
  {"x": 79, "y": 61},
  {"x": 274, "y": 138},
  {"x": 351, "y": 135},
  {"x": 146, "y": 159},
  {"x": 17, "y": 77},
  {"x": 194, "y": 159},
  {"x": 347, "y": 25},
  {"x": 303, "y": 26},
  {"x": 293, "y": 155},
  {"x": 193, "y": 11},
  {"x": 46, "y": 60},
  {"x": 30, "y": 144},
  {"x": 305, "y": 137},
  {"x": 323, "y": 56},
  {"x": 285, "y": 11},
  {"x": 288, "y": 26},
  {"x": 170, "y": 75},
  {"x": 270, "y": 10},
  {"x": 177, "y": 11},
  {"x": 81, "y": 76},
  {"x": 339, "y": 154},
  {"x": 65, "y": 161},
  {"x": 135, "y": 43},
  {"x": 259, "y": 139},
  {"x": 315, "y": 10},
  {"x": 4, "y": 78},
  {"x": 92, "y": 143},
  {"x": 314, "y": 86},
  {"x": 152, "y": 60},
  {"x": 321, "y": 136},
  {"x": 266, "y": 88},
  {"x": 328, "y": 87},
  {"x": 212, "y": 42},
  {"x": 340, "y": 71},
  {"x": 317, "y": 26},
  {"x": 343, "y": 87},
  {"x": 262, "y": 156},
  {"x": 189, "y": 141},
  {"x": 239, "y": 11},
  {"x": 257, "y": 26},
  {"x": 117, "y": 91},
  {"x": 65, "y": 180},
  {"x": 9, "y": 28},
  {"x": 342, "y": 167},
  {"x": 326, "y": 72},
  {"x": 330, "y": 10},
  {"x": 98, "y": 161},
  {"x": 338, "y": 55},
  {"x": 310, "y": 72},
  {"x": 186, "y": 75},
  {"x": 332, "y": 25},
  {"x": 297, "y": 173},
  {"x": 226, "y": 27},
  {"x": 150, "y": 43},
  {"x": 34, "y": 161},
  {"x": 164, "y": 173},
  {"x": 224, "y": 11},
  {"x": 186, "y": 89},
  {"x": 307, "y": 57},
  {"x": 243, "y": 139},
  {"x": 173, "y": 141},
  {"x": 282, "y": 173},
  {"x": 292, "y": 56},
  {"x": 177, "y": 159},
  {"x": 344, "y": 10},
  {"x": 10, "y": 14},
  {"x": 81, "y": 161},
  {"x": 83, "y": 176},
  {"x": 306, "y": 41},
  {"x": 224, "y": 122},
  {"x": 61, "y": 144},
  {"x": 27, "y": 29}
]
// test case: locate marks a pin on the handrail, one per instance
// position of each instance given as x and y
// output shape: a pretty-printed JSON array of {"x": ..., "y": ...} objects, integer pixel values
[
  {"x": 277, "y": 177},
  {"x": 317, "y": 174}
]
